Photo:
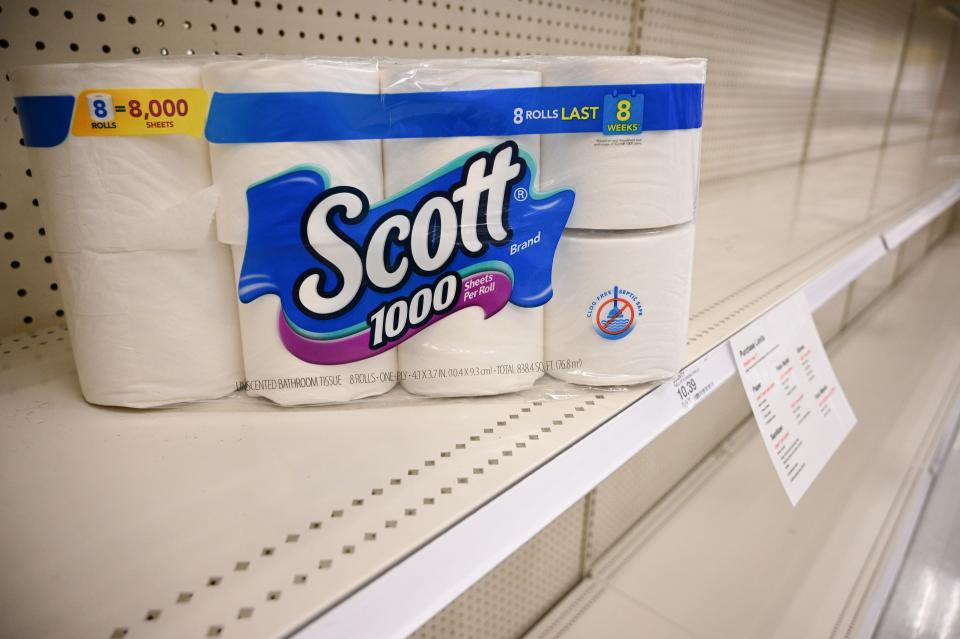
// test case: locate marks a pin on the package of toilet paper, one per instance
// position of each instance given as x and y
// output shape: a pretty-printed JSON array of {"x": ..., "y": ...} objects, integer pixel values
[{"x": 428, "y": 227}]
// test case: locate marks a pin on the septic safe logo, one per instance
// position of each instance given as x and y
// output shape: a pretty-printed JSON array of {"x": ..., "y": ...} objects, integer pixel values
[
  {"x": 355, "y": 280},
  {"x": 614, "y": 313}
]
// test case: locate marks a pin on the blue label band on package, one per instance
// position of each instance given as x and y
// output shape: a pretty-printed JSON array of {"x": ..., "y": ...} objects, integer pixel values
[
  {"x": 314, "y": 116},
  {"x": 44, "y": 119}
]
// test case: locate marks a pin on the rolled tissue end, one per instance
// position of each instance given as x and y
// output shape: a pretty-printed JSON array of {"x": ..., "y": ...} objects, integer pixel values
[
  {"x": 150, "y": 328},
  {"x": 620, "y": 306}
]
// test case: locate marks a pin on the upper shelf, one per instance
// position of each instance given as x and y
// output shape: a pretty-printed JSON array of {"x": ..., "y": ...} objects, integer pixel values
[{"x": 240, "y": 519}]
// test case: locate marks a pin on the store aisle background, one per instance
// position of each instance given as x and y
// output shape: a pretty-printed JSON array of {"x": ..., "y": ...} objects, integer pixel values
[
  {"x": 926, "y": 599},
  {"x": 821, "y": 116}
]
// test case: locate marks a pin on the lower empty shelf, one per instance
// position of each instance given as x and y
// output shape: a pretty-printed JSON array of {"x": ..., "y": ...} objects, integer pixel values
[{"x": 725, "y": 555}]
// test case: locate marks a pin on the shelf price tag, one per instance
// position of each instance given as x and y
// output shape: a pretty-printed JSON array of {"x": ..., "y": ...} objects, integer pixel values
[
  {"x": 797, "y": 401},
  {"x": 699, "y": 379},
  {"x": 108, "y": 112}
]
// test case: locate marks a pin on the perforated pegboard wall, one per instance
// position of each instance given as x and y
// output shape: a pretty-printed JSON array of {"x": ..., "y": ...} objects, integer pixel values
[
  {"x": 764, "y": 56},
  {"x": 946, "y": 119},
  {"x": 50, "y": 31},
  {"x": 923, "y": 69},
  {"x": 517, "y": 593},
  {"x": 859, "y": 74}
]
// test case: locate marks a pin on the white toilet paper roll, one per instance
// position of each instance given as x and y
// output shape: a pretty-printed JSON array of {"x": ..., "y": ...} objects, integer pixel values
[
  {"x": 237, "y": 166},
  {"x": 273, "y": 372},
  {"x": 648, "y": 180},
  {"x": 502, "y": 353},
  {"x": 146, "y": 285},
  {"x": 620, "y": 306},
  {"x": 151, "y": 327},
  {"x": 100, "y": 190}
]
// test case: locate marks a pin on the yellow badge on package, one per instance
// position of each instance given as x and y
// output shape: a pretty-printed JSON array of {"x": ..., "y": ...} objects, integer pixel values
[{"x": 141, "y": 112}]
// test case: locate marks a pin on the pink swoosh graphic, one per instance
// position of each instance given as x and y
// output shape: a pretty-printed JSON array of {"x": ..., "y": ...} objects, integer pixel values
[{"x": 357, "y": 347}]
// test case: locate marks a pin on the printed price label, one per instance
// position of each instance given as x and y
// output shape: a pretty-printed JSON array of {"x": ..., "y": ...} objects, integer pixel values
[
  {"x": 141, "y": 112},
  {"x": 796, "y": 399},
  {"x": 696, "y": 381}
]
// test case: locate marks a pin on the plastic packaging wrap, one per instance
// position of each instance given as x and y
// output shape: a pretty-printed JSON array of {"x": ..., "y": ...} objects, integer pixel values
[
  {"x": 271, "y": 370},
  {"x": 443, "y": 227},
  {"x": 467, "y": 339},
  {"x": 146, "y": 285},
  {"x": 629, "y": 182},
  {"x": 620, "y": 305}
]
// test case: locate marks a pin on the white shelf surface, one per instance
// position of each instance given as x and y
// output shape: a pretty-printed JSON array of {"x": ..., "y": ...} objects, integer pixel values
[
  {"x": 238, "y": 518},
  {"x": 726, "y": 555}
]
